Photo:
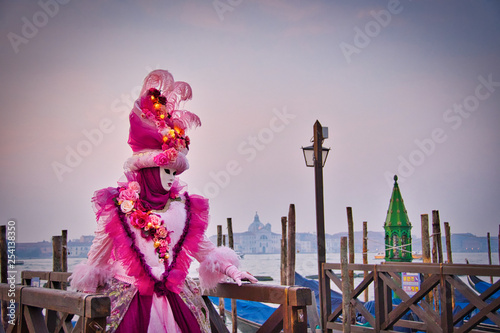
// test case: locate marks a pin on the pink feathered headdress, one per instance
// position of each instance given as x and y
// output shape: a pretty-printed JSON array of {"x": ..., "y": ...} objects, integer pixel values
[{"x": 157, "y": 127}]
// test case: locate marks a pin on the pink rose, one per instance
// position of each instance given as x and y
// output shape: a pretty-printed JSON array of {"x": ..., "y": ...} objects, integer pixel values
[
  {"x": 161, "y": 159},
  {"x": 127, "y": 206},
  {"x": 139, "y": 219},
  {"x": 134, "y": 186},
  {"x": 155, "y": 220},
  {"x": 164, "y": 243},
  {"x": 161, "y": 232},
  {"x": 128, "y": 194},
  {"x": 171, "y": 154},
  {"x": 166, "y": 157}
]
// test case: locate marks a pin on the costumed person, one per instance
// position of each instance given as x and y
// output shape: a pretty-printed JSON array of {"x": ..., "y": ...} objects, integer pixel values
[{"x": 149, "y": 229}]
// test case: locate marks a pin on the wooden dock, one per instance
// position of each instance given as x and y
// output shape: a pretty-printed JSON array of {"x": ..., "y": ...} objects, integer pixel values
[
  {"x": 440, "y": 281},
  {"x": 62, "y": 306}
]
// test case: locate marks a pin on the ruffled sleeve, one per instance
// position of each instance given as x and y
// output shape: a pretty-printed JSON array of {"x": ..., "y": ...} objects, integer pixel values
[
  {"x": 97, "y": 269},
  {"x": 213, "y": 263}
]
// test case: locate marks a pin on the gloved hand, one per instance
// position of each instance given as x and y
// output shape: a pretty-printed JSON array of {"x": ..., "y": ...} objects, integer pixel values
[{"x": 237, "y": 275}]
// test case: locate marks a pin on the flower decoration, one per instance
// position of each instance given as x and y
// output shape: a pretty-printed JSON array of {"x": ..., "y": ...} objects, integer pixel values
[
  {"x": 166, "y": 157},
  {"x": 156, "y": 108},
  {"x": 151, "y": 225}
]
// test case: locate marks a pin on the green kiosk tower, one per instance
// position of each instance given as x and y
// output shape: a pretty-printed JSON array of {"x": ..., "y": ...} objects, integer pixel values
[{"x": 397, "y": 228}]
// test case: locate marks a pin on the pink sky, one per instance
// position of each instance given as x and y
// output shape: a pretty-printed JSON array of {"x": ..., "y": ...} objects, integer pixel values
[{"x": 411, "y": 88}]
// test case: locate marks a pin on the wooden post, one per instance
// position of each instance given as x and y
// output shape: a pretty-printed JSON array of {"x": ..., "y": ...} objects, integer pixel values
[
  {"x": 448, "y": 242},
  {"x": 365, "y": 253},
  {"x": 324, "y": 283},
  {"x": 221, "y": 299},
  {"x": 426, "y": 249},
  {"x": 230, "y": 233},
  {"x": 219, "y": 235},
  {"x": 447, "y": 234},
  {"x": 489, "y": 253},
  {"x": 346, "y": 287},
  {"x": 234, "y": 310},
  {"x": 3, "y": 269},
  {"x": 64, "y": 250},
  {"x": 56, "y": 253},
  {"x": 350, "y": 228},
  {"x": 284, "y": 249},
  {"x": 437, "y": 248},
  {"x": 290, "y": 271}
]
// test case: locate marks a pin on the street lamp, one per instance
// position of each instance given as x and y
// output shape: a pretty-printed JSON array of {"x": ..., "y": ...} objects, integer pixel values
[
  {"x": 309, "y": 155},
  {"x": 315, "y": 156}
]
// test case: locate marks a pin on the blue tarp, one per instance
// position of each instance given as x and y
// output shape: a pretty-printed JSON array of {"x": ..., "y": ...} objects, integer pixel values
[{"x": 253, "y": 311}]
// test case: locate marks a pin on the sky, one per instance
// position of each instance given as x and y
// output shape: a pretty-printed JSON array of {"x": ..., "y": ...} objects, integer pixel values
[{"x": 405, "y": 87}]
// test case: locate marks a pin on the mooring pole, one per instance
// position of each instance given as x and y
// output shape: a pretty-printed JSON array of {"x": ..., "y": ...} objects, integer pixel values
[
  {"x": 426, "y": 250},
  {"x": 346, "y": 287},
  {"x": 324, "y": 283},
  {"x": 284, "y": 249},
  {"x": 290, "y": 278},
  {"x": 365, "y": 253}
]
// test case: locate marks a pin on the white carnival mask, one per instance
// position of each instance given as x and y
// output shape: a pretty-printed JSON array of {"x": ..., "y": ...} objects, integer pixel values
[{"x": 167, "y": 177}]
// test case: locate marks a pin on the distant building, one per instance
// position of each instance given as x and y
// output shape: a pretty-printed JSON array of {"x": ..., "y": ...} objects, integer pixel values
[
  {"x": 79, "y": 248},
  {"x": 257, "y": 240}
]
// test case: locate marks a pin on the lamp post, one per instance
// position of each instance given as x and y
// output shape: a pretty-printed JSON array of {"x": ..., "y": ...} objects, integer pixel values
[{"x": 317, "y": 160}]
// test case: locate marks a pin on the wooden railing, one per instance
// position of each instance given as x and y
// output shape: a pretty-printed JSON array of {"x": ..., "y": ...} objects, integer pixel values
[
  {"x": 290, "y": 316},
  {"x": 441, "y": 280},
  {"x": 61, "y": 306}
]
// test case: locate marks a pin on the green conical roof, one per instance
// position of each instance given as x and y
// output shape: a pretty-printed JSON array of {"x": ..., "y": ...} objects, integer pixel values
[{"x": 396, "y": 214}]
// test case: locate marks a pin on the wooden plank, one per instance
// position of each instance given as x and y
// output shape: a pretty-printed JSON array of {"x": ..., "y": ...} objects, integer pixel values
[
  {"x": 34, "y": 320},
  {"x": 59, "y": 276},
  {"x": 363, "y": 285},
  {"x": 5, "y": 291},
  {"x": 252, "y": 292},
  {"x": 63, "y": 322},
  {"x": 407, "y": 304},
  {"x": 474, "y": 300},
  {"x": 274, "y": 323},
  {"x": 446, "y": 305},
  {"x": 465, "y": 311},
  {"x": 57, "y": 300},
  {"x": 216, "y": 322},
  {"x": 28, "y": 275},
  {"x": 299, "y": 296},
  {"x": 483, "y": 313},
  {"x": 362, "y": 309}
]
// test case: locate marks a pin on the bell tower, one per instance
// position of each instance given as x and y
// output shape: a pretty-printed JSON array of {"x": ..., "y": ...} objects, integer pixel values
[{"x": 397, "y": 228}]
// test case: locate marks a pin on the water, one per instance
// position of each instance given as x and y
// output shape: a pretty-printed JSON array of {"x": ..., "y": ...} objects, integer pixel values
[
  {"x": 267, "y": 265},
  {"x": 263, "y": 264}
]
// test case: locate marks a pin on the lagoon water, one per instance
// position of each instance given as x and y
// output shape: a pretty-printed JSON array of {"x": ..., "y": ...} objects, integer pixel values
[{"x": 263, "y": 264}]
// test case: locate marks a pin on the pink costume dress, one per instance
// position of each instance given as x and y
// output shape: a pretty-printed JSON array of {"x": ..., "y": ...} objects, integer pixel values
[
  {"x": 149, "y": 295},
  {"x": 147, "y": 232}
]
